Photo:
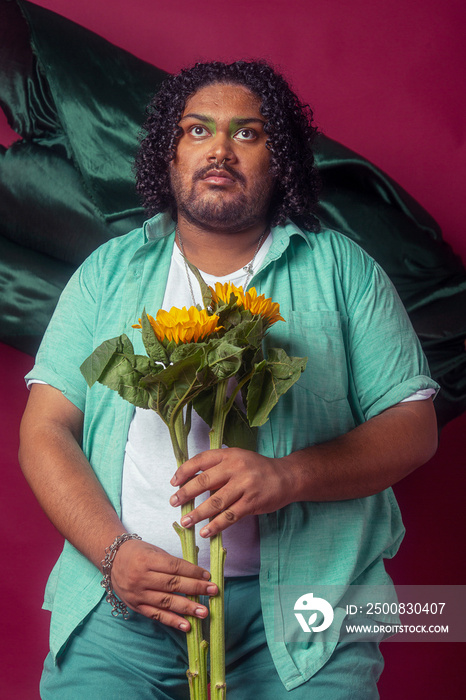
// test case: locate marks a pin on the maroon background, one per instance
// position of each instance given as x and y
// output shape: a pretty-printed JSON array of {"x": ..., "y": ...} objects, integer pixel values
[{"x": 387, "y": 80}]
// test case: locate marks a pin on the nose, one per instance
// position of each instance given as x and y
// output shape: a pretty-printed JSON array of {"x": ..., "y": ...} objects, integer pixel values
[{"x": 221, "y": 150}]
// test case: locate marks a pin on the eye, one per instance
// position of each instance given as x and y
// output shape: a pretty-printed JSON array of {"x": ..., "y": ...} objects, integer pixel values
[
  {"x": 245, "y": 135},
  {"x": 199, "y": 131}
]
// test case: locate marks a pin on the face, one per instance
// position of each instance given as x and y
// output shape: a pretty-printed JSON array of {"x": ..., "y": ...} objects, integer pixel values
[{"x": 220, "y": 174}]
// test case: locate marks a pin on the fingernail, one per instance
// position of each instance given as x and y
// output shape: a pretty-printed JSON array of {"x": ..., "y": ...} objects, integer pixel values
[
  {"x": 173, "y": 480},
  {"x": 174, "y": 500},
  {"x": 200, "y": 612},
  {"x": 211, "y": 590},
  {"x": 206, "y": 575},
  {"x": 184, "y": 626},
  {"x": 205, "y": 532},
  {"x": 186, "y": 521}
]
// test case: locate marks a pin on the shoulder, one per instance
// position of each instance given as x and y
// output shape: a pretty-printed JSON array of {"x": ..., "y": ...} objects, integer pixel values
[
  {"x": 116, "y": 249},
  {"x": 112, "y": 259},
  {"x": 326, "y": 243},
  {"x": 337, "y": 247},
  {"x": 104, "y": 264},
  {"x": 331, "y": 254},
  {"x": 338, "y": 266}
]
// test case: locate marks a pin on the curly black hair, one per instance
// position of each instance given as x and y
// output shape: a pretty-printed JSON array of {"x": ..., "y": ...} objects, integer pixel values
[{"x": 288, "y": 125}]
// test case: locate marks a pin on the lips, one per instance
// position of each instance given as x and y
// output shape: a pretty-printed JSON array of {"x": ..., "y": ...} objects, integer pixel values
[{"x": 220, "y": 176}]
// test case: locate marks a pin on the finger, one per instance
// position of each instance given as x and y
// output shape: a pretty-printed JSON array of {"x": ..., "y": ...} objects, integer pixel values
[
  {"x": 223, "y": 520},
  {"x": 169, "y": 585},
  {"x": 164, "y": 563},
  {"x": 218, "y": 502},
  {"x": 200, "y": 462},
  {"x": 168, "y": 593},
  {"x": 165, "y": 617},
  {"x": 177, "y": 604},
  {"x": 210, "y": 480}
]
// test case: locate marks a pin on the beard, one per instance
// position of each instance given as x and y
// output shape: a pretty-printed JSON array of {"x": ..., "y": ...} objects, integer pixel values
[{"x": 218, "y": 210}]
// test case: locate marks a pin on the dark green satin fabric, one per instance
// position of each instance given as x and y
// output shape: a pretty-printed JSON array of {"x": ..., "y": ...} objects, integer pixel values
[
  {"x": 366, "y": 205},
  {"x": 67, "y": 186}
]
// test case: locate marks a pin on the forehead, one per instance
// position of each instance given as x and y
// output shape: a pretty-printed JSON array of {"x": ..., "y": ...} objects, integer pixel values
[{"x": 224, "y": 100}]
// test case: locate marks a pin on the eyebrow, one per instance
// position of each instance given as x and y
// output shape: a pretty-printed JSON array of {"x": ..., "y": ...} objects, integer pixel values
[
  {"x": 247, "y": 120},
  {"x": 200, "y": 117},
  {"x": 240, "y": 122}
]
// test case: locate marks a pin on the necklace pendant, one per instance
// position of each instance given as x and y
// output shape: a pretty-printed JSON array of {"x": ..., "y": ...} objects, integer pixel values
[{"x": 248, "y": 268}]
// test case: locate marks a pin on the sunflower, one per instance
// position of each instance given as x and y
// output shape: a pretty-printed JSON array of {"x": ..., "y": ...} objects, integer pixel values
[
  {"x": 257, "y": 305},
  {"x": 182, "y": 325}
]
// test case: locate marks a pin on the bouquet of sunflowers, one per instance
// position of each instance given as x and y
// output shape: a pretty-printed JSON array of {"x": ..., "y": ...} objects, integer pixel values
[{"x": 192, "y": 356}]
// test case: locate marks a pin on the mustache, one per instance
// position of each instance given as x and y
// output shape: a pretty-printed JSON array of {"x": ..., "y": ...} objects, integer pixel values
[{"x": 202, "y": 172}]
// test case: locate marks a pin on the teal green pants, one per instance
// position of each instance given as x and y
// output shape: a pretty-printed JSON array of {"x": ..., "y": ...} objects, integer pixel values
[{"x": 110, "y": 658}]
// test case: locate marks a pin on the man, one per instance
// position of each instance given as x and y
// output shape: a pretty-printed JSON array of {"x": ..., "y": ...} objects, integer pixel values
[{"x": 226, "y": 172}]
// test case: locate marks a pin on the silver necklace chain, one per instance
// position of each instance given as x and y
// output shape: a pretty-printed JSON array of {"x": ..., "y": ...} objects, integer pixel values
[{"x": 249, "y": 268}]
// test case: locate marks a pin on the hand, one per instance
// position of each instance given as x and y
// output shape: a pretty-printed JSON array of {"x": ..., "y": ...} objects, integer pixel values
[
  {"x": 245, "y": 483},
  {"x": 149, "y": 580}
]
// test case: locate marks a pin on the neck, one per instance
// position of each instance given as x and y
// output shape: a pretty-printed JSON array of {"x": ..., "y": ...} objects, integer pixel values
[{"x": 222, "y": 252}]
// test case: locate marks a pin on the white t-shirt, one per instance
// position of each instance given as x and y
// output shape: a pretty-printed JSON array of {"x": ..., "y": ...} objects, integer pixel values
[{"x": 150, "y": 463}]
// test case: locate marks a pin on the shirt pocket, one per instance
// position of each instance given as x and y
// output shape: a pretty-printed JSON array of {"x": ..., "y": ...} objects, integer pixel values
[{"x": 318, "y": 336}]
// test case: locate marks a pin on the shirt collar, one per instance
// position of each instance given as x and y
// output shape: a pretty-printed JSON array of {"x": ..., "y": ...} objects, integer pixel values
[
  {"x": 281, "y": 239},
  {"x": 158, "y": 227},
  {"x": 162, "y": 225}
]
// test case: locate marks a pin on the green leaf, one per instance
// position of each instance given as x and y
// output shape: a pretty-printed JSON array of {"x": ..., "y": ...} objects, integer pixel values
[
  {"x": 96, "y": 363},
  {"x": 152, "y": 344},
  {"x": 181, "y": 382},
  {"x": 123, "y": 373},
  {"x": 171, "y": 347},
  {"x": 237, "y": 431},
  {"x": 204, "y": 404},
  {"x": 135, "y": 395},
  {"x": 229, "y": 314},
  {"x": 254, "y": 390},
  {"x": 272, "y": 378},
  {"x": 224, "y": 359},
  {"x": 185, "y": 350},
  {"x": 250, "y": 331},
  {"x": 157, "y": 399},
  {"x": 205, "y": 291},
  {"x": 177, "y": 372},
  {"x": 124, "y": 368}
]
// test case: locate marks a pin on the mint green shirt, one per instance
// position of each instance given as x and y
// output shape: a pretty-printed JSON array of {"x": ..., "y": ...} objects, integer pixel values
[{"x": 342, "y": 313}]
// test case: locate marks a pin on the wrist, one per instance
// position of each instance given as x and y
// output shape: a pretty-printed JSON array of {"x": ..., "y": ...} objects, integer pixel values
[
  {"x": 119, "y": 608},
  {"x": 298, "y": 471},
  {"x": 291, "y": 478}
]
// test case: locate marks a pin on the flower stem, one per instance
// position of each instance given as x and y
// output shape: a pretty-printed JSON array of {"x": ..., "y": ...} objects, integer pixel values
[
  {"x": 217, "y": 623},
  {"x": 217, "y": 566},
  {"x": 197, "y": 646}
]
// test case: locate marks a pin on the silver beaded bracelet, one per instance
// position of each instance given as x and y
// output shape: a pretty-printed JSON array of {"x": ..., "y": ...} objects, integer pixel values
[{"x": 119, "y": 608}]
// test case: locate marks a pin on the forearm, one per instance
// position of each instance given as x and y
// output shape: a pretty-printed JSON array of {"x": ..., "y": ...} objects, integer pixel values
[
  {"x": 368, "y": 459},
  {"x": 64, "y": 483},
  {"x": 363, "y": 462},
  {"x": 145, "y": 577}
]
